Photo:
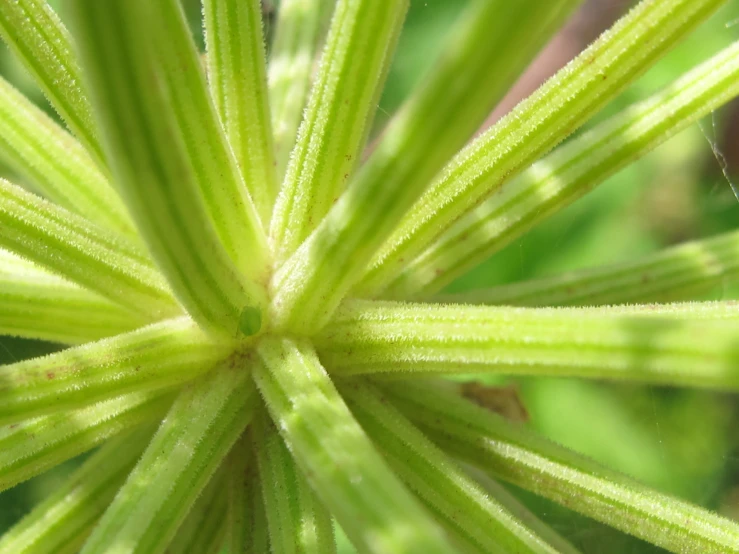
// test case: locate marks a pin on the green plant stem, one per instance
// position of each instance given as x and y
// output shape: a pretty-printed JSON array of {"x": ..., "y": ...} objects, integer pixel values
[
  {"x": 521, "y": 512},
  {"x": 169, "y": 155},
  {"x": 247, "y": 522},
  {"x": 297, "y": 521},
  {"x": 197, "y": 433},
  {"x": 204, "y": 528},
  {"x": 74, "y": 248},
  {"x": 40, "y": 40},
  {"x": 62, "y": 522},
  {"x": 237, "y": 76},
  {"x": 673, "y": 273},
  {"x": 515, "y": 454},
  {"x": 537, "y": 124},
  {"x": 36, "y": 445},
  {"x": 660, "y": 348},
  {"x": 159, "y": 356},
  {"x": 431, "y": 126},
  {"x": 337, "y": 458},
  {"x": 297, "y": 36},
  {"x": 39, "y": 305},
  {"x": 475, "y": 519},
  {"x": 569, "y": 173},
  {"x": 56, "y": 164},
  {"x": 354, "y": 64}
]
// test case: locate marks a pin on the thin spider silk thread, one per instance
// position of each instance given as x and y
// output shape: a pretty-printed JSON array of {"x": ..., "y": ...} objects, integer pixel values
[{"x": 720, "y": 158}]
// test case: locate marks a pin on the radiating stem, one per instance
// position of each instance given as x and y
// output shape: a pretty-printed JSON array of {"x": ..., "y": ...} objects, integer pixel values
[
  {"x": 247, "y": 522},
  {"x": 673, "y": 273},
  {"x": 570, "y": 172},
  {"x": 37, "y": 36},
  {"x": 66, "y": 517},
  {"x": 537, "y": 124},
  {"x": 338, "y": 459},
  {"x": 651, "y": 345},
  {"x": 56, "y": 164},
  {"x": 521, "y": 512},
  {"x": 155, "y": 357},
  {"x": 197, "y": 433},
  {"x": 428, "y": 129},
  {"x": 71, "y": 246},
  {"x": 36, "y": 445},
  {"x": 354, "y": 64},
  {"x": 298, "y": 523},
  {"x": 517, "y": 455},
  {"x": 37, "y": 304},
  {"x": 204, "y": 528},
  {"x": 171, "y": 161},
  {"x": 297, "y": 36},
  {"x": 476, "y": 519},
  {"x": 237, "y": 76}
]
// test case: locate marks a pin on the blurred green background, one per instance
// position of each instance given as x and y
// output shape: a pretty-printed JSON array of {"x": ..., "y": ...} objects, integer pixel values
[{"x": 680, "y": 441}]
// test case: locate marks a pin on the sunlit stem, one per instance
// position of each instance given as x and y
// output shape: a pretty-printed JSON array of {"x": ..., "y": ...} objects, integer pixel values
[
  {"x": 486, "y": 525},
  {"x": 515, "y": 454},
  {"x": 246, "y": 531},
  {"x": 39, "y": 305},
  {"x": 204, "y": 422},
  {"x": 36, "y": 445},
  {"x": 65, "y": 518},
  {"x": 155, "y": 357},
  {"x": 300, "y": 25},
  {"x": 354, "y": 64},
  {"x": 536, "y": 125},
  {"x": 298, "y": 523},
  {"x": 38, "y": 37},
  {"x": 571, "y": 172},
  {"x": 338, "y": 459},
  {"x": 653, "y": 345},
  {"x": 204, "y": 528},
  {"x": 429, "y": 128},
  {"x": 673, "y": 273}
]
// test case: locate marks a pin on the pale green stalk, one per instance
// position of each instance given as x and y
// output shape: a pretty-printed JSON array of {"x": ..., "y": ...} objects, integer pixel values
[
  {"x": 521, "y": 512},
  {"x": 569, "y": 173},
  {"x": 478, "y": 521},
  {"x": 229, "y": 206},
  {"x": 354, "y": 64},
  {"x": 277, "y": 472},
  {"x": 298, "y": 523},
  {"x": 36, "y": 445},
  {"x": 429, "y": 128},
  {"x": 537, "y": 124},
  {"x": 400, "y": 339},
  {"x": 54, "y": 163},
  {"x": 673, "y": 273},
  {"x": 196, "y": 434},
  {"x": 337, "y": 458},
  {"x": 247, "y": 523},
  {"x": 39, "y": 39},
  {"x": 64, "y": 519},
  {"x": 204, "y": 528},
  {"x": 170, "y": 159},
  {"x": 517, "y": 455},
  {"x": 237, "y": 77},
  {"x": 79, "y": 251},
  {"x": 297, "y": 36},
  {"x": 316, "y": 531},
  {"x": 159, "y": 356},
  {"x": 39, "y": 305},
  {"x": 258, "y": 542},
  {"x": 710, "y": 310}
]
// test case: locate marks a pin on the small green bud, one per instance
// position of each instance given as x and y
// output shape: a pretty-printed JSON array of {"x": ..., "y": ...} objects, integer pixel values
[{"x": 250, "y": 320}]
